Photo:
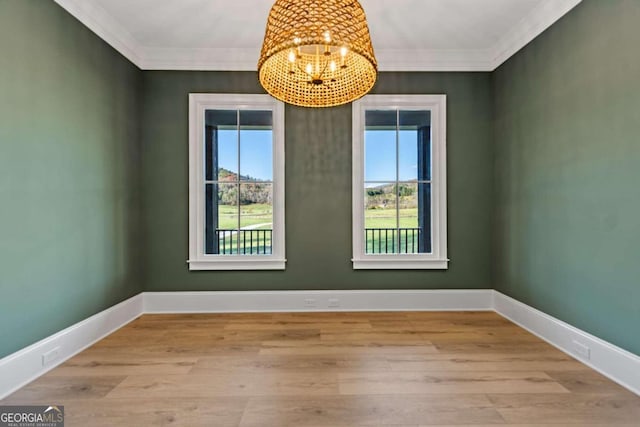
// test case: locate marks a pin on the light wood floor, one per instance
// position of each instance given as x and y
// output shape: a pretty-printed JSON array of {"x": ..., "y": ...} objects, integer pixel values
[{"x": 330, "y": 370}]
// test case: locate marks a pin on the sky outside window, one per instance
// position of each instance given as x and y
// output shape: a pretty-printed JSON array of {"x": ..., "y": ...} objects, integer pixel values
[
  {"x": 255, "y": 152},
  {"x": 380, "y": 155}
]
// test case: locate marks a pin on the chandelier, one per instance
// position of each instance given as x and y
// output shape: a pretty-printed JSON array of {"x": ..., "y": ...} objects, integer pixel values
[{"x": 317, "y": 53}]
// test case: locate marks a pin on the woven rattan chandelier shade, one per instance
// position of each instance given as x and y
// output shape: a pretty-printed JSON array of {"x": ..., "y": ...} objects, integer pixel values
[{"x": 317, "y": 53}]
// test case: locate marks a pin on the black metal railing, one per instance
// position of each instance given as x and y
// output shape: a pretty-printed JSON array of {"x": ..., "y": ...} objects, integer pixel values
[
  {"x": 393, "y": 240},
  {"x": 245, "y": 242}
]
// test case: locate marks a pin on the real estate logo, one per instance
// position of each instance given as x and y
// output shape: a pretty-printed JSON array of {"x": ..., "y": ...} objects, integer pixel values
[{"x": 32, "y": 416}]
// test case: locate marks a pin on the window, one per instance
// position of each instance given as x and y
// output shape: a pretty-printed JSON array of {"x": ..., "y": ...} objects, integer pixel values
[
  {"x": 236, "y": 182},
  {"x": 399, "y": 182}
]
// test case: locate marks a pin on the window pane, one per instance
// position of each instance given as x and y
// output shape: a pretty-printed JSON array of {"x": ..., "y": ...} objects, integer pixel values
[
  {"x": 256, "y": 218},
  {"x": 211, "y": 219},
  {"x": 256, "y": 141},
  {"x": 423, "y": 217},
  {"x": 227, "y": 232},
  {"x": 380, "y": 218},
  {"x": 380, "y": 145},
  {"x": 221, "y": 145},
  {"x": 409, "y": 232},
  {"x": 408, "y": 155},
  {"x": 415, "y": 145},
  {"x": 221, "y": 218}
]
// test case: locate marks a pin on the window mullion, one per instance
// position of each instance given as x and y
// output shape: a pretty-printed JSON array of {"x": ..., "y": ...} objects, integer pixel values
[
  {"x": 363, "y": 200},
  {"x": 238, "y": 180},
  {"x": 397, "y": 184}
]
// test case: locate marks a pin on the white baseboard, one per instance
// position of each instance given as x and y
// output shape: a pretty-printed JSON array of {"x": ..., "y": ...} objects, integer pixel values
[
  {"x": 611, "y": 361},
  {"x": 24, "y": 366},
  {"x": 329, "y": 300}
]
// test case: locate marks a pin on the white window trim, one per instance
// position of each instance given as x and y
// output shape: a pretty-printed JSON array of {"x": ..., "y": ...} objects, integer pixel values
[
  {"x": 437, "y": 104},
  {"x": 198, "y": 260}
]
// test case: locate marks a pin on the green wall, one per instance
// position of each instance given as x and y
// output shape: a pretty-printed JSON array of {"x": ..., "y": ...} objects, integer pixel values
[
  {"x": 69, "y": 175},
  {"x": 318, "y": 187},
  {"x": 567, "y": 127}
]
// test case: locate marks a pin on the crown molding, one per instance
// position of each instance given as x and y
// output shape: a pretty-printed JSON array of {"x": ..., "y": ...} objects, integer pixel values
[
  {"x": 232, "y": 59},
  {"x": 203, "y": 59},
  {"x": 246, "y": 59},
  {"x": 434, "y": 60},
  {"x": 104, "y": 26},
  {"x": 530, "y": 27}
]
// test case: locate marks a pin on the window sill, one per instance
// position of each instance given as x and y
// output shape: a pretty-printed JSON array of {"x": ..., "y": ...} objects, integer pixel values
[
  {"x": 400, "y": 264},
  {"x": 237, "y": 264}
]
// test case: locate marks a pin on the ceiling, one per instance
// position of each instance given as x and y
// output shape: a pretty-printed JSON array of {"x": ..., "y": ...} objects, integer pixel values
[{"x": 408, "y": 35}]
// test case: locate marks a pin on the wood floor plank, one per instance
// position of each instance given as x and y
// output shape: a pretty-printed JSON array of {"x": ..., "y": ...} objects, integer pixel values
[
  {"x": 391, "y": 324},
  {"x": 485, "y": 362},
  {"x": 469, "y": 316},
  {"x": 568, "y": 409},
  {"x": 51, "y": 387},
  {"x": 143, "y": 412},
  {"x": 226, "y": 384},
  {"x": 448, "y": 382},
  {"x": 287, "y": 363},
  {"x": 480, "y": 337},
  {"x": 369, "y": 410},
  {"x": 492, "y": 347},
  {"x": 344, "y": 348},
  {"x": 445, "y": 322},
  {"x": 260, "y": 335},
  {"x": 343, "y": 316},
  {"x": 586, "y": 381},
  {"x": 194, "y": 349},
  {"x": 298, "y": 324},
  {"x": 110, "y": 365},
  {"x": 376, "y": 335}
]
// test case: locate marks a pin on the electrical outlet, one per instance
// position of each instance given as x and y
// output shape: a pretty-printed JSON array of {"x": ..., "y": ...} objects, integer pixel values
[
  {"x": 333, "y": 302},
  {"x": 581, "y": 350},
  {"x": 50, "y": 356},
  {"x": 310, "y": 303}
]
